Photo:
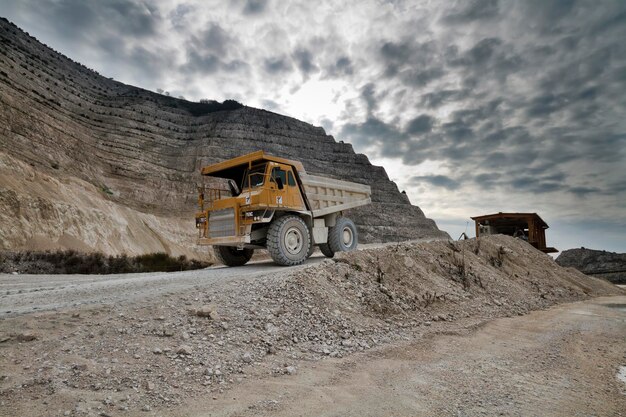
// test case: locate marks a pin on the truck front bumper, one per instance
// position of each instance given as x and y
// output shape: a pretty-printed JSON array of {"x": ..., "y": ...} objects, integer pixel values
[{"x": 224, "y": 241}]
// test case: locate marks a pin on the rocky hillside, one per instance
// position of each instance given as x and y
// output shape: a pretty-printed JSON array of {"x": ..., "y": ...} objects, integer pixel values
[
  {"x": 599, "y": 263},
  {"x": 93, "y": 164}
]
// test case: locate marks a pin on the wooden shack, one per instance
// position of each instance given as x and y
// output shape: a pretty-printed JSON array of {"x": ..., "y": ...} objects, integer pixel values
[{"x": 527, "y": 226}]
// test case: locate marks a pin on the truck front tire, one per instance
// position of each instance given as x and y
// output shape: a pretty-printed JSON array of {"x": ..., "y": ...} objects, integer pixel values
[
  {"x": 231, "y": 256},
  {"x": 288, "y": 240},
  {"x": 343, "y": 236}
]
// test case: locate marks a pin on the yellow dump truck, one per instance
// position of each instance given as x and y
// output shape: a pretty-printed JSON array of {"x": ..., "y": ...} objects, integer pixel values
[{"x": 261, "y": 201}]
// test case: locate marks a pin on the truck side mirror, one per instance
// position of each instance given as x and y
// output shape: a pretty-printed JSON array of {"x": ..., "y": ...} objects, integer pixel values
[
  {"x": 234, "y": 190},
  {"x": 279, "y": 183}
]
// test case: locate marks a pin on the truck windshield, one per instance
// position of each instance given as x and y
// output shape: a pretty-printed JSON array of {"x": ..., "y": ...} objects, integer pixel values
[{"x": 254, "y": 177}]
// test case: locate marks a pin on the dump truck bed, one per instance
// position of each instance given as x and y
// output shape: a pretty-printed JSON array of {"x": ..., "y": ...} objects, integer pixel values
[{"x": 328, "y": 195}]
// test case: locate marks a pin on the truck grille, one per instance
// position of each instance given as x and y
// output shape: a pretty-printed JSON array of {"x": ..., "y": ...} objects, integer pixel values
[{"x": 222, "y": 223}]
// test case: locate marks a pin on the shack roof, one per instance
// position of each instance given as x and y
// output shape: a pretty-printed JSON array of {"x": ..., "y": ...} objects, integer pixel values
[
  {"x": 512, "y": 216},
  {"x": 233, "y": 167}
]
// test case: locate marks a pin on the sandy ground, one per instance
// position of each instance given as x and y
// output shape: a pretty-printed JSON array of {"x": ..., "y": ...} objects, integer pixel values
[{"x": 558, "y": 362}]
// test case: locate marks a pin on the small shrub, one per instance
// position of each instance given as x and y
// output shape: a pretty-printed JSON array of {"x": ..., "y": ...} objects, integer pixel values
[{"x": 106, "y": 190}]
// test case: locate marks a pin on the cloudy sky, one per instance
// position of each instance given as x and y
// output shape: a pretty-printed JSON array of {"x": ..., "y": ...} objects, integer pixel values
[{"x": 473, "y": 107}]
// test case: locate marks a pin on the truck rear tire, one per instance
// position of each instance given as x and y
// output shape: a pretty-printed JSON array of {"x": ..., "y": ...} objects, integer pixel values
[
  {"x": 343, "y": 236},
  {"x": 231, "y": 256},
  {"x": 288, "y": 240},
  {"x": 326, "y": 250}
]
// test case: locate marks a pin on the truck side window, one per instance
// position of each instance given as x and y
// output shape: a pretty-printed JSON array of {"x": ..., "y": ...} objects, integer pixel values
[
  {"x": 279, "y": 173},
  {"x": 292, "y": 180}
]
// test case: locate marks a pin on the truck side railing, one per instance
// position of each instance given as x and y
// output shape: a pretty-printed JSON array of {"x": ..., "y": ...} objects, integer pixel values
[{"x": 209, "y": 195}]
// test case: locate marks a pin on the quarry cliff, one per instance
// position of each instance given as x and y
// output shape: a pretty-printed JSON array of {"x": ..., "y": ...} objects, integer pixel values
[
  {"x": 598, "y": 263},
  {"x": 90, "y": 163}
]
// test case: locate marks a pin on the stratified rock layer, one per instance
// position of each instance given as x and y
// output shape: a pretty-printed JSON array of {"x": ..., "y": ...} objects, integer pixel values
[
  {"x": 133, "y": 155},
  {"x": 599, "y": 263}
]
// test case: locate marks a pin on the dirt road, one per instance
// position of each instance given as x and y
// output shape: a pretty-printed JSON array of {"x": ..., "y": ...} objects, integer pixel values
[
  {"x": 20, "y": 294},
  {"x": 559, "y": 362}
]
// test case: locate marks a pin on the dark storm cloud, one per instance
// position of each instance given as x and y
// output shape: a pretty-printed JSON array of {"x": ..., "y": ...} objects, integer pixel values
[
  {"x": 277, "y": 65},
  {"x": 180, "y": 16},
  {"x": 547, "y": 16},
  {"x": 305, "y": 61},
  {"x": 546, "y": 104},
  {"x": 207, "y": 63},
  {"x": 368, "y": 94},
  {"x": 481, "y": 53},
  {"x": 414, "y": 63},
  {"x": 214, "y": 39},
  {"x": 437, "y": 181},
  {"x": 209, "y": 51},
  {"x": 421, "y": 124},
  {"x": 532, "y": 181},
  {"x": 395, "y": 52},
  {"x": 486, "y": 180},
  {"x": 254, "y": 7},
  {"x": 584, "y": 191},
  {"x": 77, "y": 18},
  {"x": 533, "y": 185},
  {"x": 376, "y": 132},
  {"x": 440, "y": 97},
  {"x": 471, "y": 11},
  {"x": 340, "y": 68},
  {"x": 489, "y": 57},
  {"x": 151, "y": 62}
]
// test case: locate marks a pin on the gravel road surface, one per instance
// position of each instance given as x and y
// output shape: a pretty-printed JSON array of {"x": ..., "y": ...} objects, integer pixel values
[{"x": 21, "y": 294}]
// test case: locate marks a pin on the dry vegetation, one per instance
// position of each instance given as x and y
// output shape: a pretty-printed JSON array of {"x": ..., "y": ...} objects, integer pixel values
[{"x": 73, "y": 262}]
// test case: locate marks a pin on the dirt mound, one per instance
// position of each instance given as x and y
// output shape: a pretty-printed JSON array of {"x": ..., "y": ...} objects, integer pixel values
[
  {"x": 163, "y": 352},
  {"x": 472, "y": 276}
]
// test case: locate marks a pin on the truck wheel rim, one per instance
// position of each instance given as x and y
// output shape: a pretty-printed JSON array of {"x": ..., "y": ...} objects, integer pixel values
[
  {"x": 348, "y": 237},
  {"x": 294, "y": 241}
]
